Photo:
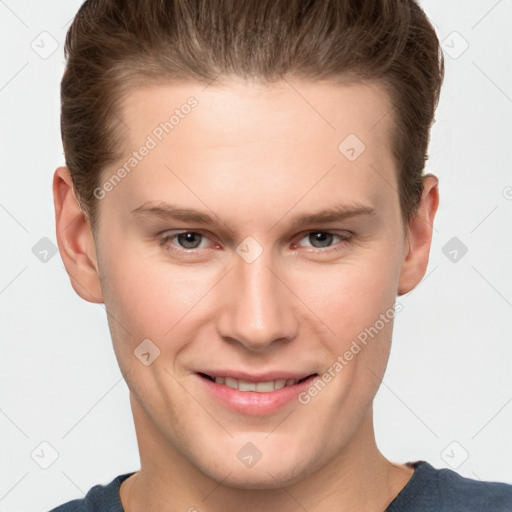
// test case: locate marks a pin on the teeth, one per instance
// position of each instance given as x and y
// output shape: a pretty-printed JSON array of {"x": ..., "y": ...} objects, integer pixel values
[
  {"x": 259, "y": 387},
  {"x": 264, "y": 387},
  {"x": 230, "y": 383},
  {"x": 246, "y": 386},
  {"x": 281, "y": 383}
]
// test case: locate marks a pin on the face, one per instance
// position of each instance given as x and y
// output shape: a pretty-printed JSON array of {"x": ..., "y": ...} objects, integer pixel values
[{"x": 255, "y": 239}]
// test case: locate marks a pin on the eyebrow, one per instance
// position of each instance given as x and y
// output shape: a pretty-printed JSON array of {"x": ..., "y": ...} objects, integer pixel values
[
  {"x": 172, "y": 212},
  {"x": 168, "y": 211},
  {"x": 333, "y": 214}
]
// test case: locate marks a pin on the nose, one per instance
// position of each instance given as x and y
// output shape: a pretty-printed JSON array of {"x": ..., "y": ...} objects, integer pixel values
[{"x": 257, "y": 308}]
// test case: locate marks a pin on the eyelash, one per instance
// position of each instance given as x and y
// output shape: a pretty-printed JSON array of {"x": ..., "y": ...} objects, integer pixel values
[{"x": 165, "y": 241}]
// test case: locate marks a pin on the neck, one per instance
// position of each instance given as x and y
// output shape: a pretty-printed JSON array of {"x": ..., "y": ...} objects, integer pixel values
[{"x": 359, "y": 477}]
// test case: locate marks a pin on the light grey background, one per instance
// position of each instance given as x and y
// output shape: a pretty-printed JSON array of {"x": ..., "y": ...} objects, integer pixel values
[{"x": 447, "y": 393}]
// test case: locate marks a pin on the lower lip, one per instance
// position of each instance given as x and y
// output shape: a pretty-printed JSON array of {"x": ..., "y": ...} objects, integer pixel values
[{"x": 252, "y": 402}]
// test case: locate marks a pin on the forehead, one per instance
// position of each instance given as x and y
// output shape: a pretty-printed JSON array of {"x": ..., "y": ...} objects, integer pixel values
[
  {"x": 278, "y": 141},
  {"x": 239, "y": 112}
]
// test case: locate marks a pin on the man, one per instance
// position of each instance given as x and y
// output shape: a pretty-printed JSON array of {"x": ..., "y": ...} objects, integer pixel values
[{"x": 244, "y": 192}]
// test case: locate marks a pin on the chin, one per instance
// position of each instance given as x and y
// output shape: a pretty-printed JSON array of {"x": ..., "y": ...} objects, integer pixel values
[{"x": 263, "y": 475}]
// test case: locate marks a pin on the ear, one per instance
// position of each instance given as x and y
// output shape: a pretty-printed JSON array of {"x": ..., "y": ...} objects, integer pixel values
[
  {"x": 419, "y": 237},
  {"x": 75, "y": 239}
]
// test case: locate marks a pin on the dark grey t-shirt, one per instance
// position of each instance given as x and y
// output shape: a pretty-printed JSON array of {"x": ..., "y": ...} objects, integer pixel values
[{"x": 428, "y": 490}]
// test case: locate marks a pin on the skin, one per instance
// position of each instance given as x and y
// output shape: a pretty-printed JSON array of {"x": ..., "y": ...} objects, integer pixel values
[{"x": 255, "y": 157}]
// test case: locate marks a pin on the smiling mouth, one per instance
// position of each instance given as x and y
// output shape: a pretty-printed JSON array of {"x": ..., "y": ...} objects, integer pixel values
[{"x": 258, "y": 387}]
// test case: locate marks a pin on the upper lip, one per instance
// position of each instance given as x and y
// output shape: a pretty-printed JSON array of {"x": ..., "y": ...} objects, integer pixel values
[{"x": 261, "y": 377}]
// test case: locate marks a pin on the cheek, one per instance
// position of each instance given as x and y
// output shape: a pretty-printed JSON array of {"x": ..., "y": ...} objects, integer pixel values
[
  {"x": 150, "y": 298},
  {"x": 356, "y": 301},
  {"x": 350, "y": 296}
]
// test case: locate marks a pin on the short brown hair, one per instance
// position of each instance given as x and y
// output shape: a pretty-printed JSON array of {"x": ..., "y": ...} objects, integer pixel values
[{"x": 115, "y": 45}]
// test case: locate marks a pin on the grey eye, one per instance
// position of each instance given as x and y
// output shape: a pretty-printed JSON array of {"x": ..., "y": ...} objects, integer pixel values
[
  {"x": 320, "y": 239},
  {"x": 189, "y": 240}
]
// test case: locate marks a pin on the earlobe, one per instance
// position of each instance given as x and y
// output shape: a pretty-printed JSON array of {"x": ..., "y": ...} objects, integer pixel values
[
  {"x": 75, "y": 239},
  {"x": 419, "y": 238}
]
